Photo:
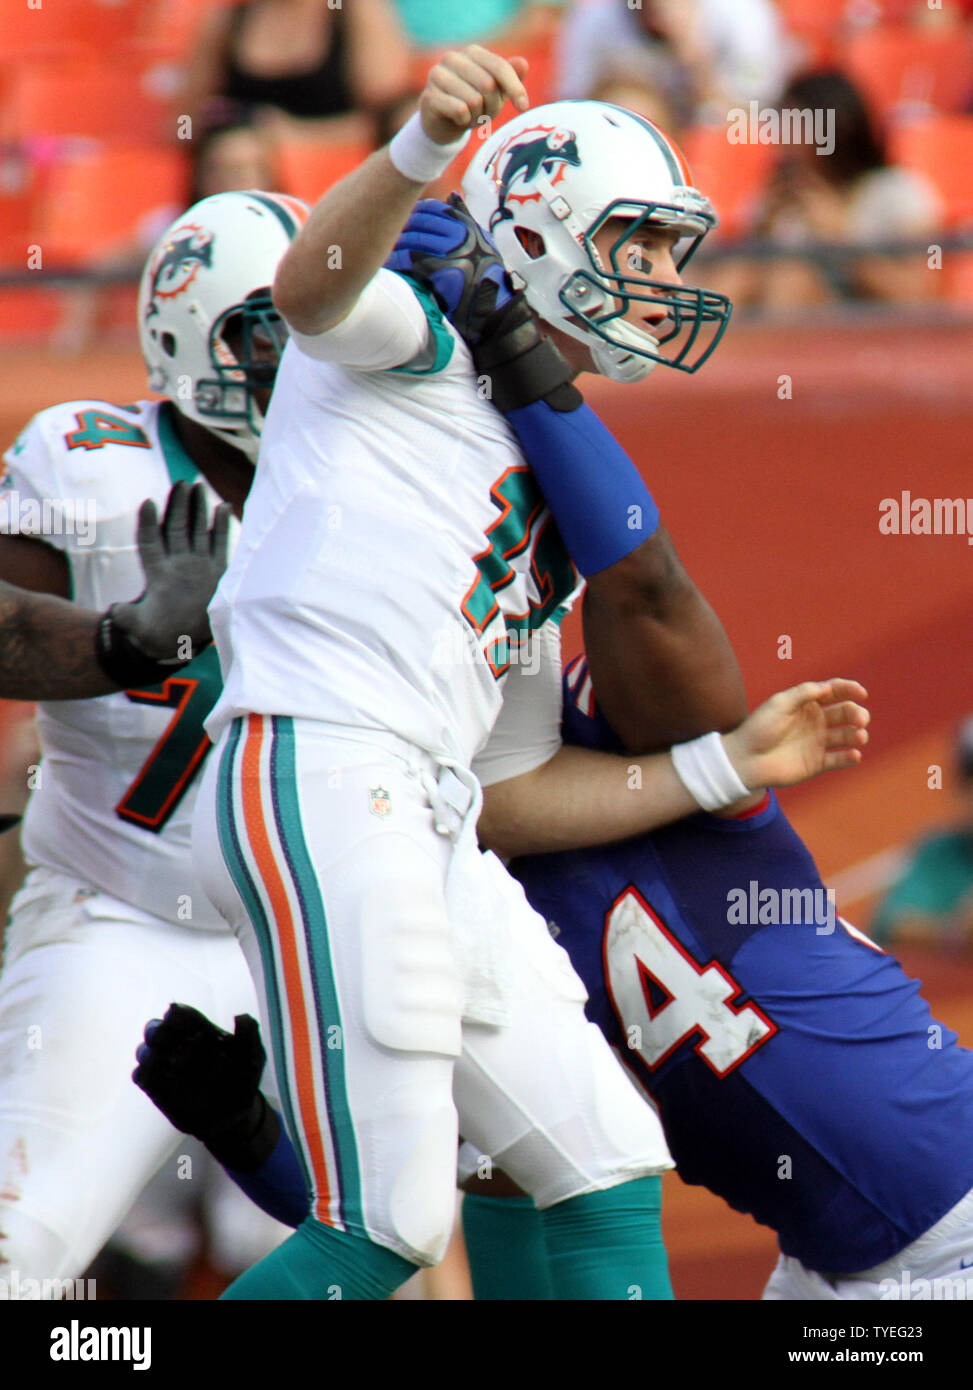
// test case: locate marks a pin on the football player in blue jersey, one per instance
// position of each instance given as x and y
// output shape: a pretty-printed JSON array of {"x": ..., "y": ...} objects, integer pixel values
[
  {"x": 798, "y": 1071},
  {"x": 782, "y": 1048}
]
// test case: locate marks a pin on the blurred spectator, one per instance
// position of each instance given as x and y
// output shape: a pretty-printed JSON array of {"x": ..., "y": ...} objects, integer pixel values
[
  {"x": 850, "y": 197},
  {"x": 703, "y": 55},
  {"x": 228, "y": 153},
  {"x": 310, "y": 69},
  {"x": 931, "y": 902},
  {"x": 448, "y": 23},
  {"x": 231, "y": 152},
  {"x": 629, "y": 85},
  {"x": 394, "y": 116}
]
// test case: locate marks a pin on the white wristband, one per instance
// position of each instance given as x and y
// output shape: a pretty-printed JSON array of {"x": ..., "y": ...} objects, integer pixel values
[
  {"x": 705, "y": 770},
  {"x": 419, "y": 158}
]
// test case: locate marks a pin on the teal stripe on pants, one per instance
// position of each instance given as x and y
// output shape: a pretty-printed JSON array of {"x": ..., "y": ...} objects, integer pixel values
[
  {"x": 287, "y": 814},
  {"x": 240, "y": 873}
]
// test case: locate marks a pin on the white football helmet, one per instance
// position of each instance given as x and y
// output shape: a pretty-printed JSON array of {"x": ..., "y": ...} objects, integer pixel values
[
  {"x": 210, "y": 334},
  {"x": 562, "y": 171}
]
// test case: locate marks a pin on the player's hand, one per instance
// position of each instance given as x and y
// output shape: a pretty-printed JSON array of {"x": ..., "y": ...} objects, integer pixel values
[
  {"x": 466, "y": 85},
  {"x": 445, "y": 249},
  {"x": 183, "y": 560},
  {"x": 815, "y": 727},
  {"x": 443, "y": 246},
  {"x": 204, "y": 1080}
]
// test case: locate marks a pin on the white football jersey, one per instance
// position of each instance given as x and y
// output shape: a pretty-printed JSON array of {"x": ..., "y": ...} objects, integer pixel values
[
  {"x": 396, "y": 551},
  {"x": 113, "y": 800}
]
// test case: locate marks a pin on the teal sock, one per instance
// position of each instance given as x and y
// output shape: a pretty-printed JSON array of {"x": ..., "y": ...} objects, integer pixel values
[
  {"x": 505, "y": 1247},
  {"x": 317, "y": 1262},
  {"x": 608, "y": 1245}
]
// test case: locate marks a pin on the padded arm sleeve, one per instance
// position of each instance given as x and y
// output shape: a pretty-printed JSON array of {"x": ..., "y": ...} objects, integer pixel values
[{"x": 388, "y": 327}]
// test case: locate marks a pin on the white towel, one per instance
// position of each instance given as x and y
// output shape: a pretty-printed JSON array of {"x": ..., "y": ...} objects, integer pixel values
[{"x": 481, "y": 930}]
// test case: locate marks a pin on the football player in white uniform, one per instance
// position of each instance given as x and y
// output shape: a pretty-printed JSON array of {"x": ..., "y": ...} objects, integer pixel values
[
  {"x": 111, "y": 920},
  {"x": 396, "y": 573}
]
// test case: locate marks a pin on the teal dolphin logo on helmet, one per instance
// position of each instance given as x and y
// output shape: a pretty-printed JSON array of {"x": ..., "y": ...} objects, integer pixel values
[
  {"x": 520, "y": 162},
  {"x": 187, "y": 249}
]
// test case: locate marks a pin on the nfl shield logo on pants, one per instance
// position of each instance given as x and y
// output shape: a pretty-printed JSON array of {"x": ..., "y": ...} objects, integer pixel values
[{"x": 378, "y": 801}]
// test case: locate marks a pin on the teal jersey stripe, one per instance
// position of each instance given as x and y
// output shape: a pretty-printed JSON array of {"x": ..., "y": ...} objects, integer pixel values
[
  {"x": 180, "y": 466},
  {"x": 236, "y": 864},
  {"x": 287, "y": 814},
  {"x": 436, "y": 355}
]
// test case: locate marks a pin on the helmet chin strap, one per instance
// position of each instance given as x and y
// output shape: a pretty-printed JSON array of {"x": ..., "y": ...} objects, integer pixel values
[
  {"x": 618, "y": 361},
  {"x": 624, "y": 361},
  {"x": 618, "y": 364}
]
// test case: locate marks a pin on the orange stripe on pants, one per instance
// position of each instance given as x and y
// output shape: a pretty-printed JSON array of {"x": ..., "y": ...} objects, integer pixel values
[{"x": 294, "y": 1000}]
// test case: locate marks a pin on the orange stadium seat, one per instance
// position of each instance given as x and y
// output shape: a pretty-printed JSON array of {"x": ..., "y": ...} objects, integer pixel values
[
  {"x": 541, "y": 56},
  {"x": 815, "y": 23},
  {"x": 28, "y": 314},
  {"x": 15, "y": 229},
  {"x": 56, "y": 27},
  {"x": 733, "y": 177},
  {"x": 94, "y": 204},
  {"x": 170, "y": 26},
  {"x": 306, "y": 168},
  {"x": 18, "y": 195},
  {"x": 94, "y": 97},
  {"x": 942, "y": 149},
  {"x": 900, "y": 66}
]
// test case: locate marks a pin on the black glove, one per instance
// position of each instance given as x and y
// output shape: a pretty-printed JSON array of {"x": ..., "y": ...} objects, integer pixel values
[
  {"x": 444, "y": 248},
  {"x": 142, "y": 642},
  {"x": 207, "y": 1083}
]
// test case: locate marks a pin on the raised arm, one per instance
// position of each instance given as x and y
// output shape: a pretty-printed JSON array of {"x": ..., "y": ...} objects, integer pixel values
[{"x": 353, "y": 228}]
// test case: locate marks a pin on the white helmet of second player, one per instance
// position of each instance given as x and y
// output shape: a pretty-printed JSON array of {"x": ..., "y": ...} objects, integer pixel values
[
  {"x": 562, "y": 172},
  {"x": 210, "y": 334}
]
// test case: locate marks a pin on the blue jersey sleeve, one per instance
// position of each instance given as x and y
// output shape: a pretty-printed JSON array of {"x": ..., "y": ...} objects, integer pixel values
[
  {"x": 278, "y": 1186},
  {"x": 596, "y": 494}
]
